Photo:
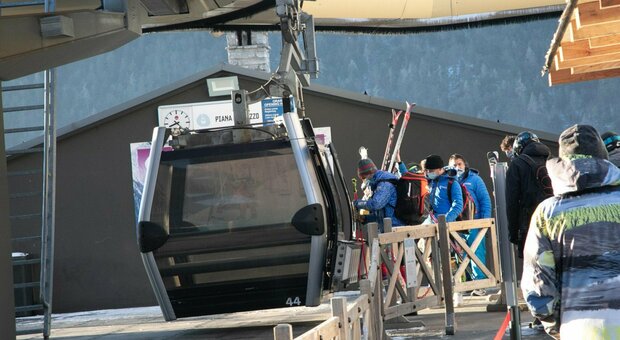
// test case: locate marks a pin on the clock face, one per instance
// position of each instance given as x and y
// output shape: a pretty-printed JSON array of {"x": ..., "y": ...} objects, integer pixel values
[{"x": 177, "y": 118}]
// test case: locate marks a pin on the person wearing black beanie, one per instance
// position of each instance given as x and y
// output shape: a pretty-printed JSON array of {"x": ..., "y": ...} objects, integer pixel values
[{"x": 438, "y": 182}]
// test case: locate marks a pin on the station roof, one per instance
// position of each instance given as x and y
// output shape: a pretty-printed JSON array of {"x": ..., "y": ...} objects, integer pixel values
[
  {"x": 314, "y": 89},
  {"x": 586, "y": 44}
]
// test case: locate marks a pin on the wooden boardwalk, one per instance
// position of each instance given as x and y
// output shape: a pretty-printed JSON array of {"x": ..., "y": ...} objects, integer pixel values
[{"x": 147, "y": 323}]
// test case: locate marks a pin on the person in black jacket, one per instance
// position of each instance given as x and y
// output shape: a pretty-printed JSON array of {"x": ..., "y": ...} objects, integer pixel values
[{"x": 522, "y": 187}]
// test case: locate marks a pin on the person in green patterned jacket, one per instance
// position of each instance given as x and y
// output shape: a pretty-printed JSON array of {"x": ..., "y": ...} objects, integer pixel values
[{"x": 571, "y": 274}]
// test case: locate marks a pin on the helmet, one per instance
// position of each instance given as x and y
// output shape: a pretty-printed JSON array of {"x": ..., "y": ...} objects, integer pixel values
[
  {"x": 611, "y": 141},
  {"x": 523, "y": 139}
]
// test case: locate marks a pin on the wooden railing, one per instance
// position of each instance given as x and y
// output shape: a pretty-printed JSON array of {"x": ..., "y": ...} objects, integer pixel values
[
  {"x": 382, "y": 300},
  {"x": 487, "y": 227}
]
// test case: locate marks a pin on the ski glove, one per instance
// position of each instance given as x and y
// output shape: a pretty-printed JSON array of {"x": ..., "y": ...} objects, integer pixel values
[{"x": 359, "y": 204}]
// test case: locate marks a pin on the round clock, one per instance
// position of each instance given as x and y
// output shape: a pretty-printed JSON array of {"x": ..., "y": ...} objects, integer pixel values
[{"x": 177, "y": 118}]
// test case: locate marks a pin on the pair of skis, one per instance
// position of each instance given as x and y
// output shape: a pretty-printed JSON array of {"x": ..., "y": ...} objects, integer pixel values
[
  {"x": 401, "y": 134},
  {"x": 386, "y": 156}
]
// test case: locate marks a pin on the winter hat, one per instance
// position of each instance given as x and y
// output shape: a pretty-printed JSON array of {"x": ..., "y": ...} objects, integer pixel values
[
  {"x": 366, "y": 167},
  {"x": 611, "y": 140},
  {"x": 581, "y": 140},
  {"x": 433, "y": 162},
  {"x": 413, "y": 167}
]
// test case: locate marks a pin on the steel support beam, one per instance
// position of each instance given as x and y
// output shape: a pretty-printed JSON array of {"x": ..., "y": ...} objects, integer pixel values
[{"x": 7, "y": 307}]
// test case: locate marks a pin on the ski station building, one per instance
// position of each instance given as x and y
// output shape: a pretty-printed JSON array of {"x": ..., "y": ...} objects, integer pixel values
[{"x": 98, "y": 263}]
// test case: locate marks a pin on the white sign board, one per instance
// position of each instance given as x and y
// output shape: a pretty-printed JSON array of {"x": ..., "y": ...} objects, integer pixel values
[
  {"x": 208, "y": 115},
  {"x": 216, "y": 114},
  {"x": 323, "y": 134}
]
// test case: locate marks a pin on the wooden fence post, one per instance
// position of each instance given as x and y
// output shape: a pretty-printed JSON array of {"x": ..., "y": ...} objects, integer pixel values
[
  {"x": 444, "y": 244},
  {"x": 283, "y": 332},
  {"x": 339, "y": 309},
  {"x": 369, "y": 316},
  {"x": 391, "y": 250},
  {"x": 376, "y": 288},
  {"x": 436, "y": 263}
]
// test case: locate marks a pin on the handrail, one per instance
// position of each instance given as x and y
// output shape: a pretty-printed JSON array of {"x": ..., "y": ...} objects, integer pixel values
[
  {"x": 378, "y": 300},
  {"x": 345, "y": 322}
]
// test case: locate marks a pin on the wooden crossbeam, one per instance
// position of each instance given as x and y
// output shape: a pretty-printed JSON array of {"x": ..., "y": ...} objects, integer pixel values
[
  {"x": 471, "y": 253},
  {"x": 423, "y": 269},
  {"x": 565, "y": 76},
  {"x": 605, "y": 41},
  {"x": 394, "y": 278},
  {"x": 590, "y": 13},
  {"x": 596, "y": 67},
  {"x": 610, "y": 3},
  {"x": 592, "y": 31},
  {"x": 581, "y": 49},
  {"x": 471, "y": 224},
  {"x": 474, "y": 246},
  {"x": 590, "y": 60},
  {"x": 398, "y": 234}
]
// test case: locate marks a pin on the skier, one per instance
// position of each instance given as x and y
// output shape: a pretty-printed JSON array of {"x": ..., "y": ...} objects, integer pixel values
[
  {"x": 571, "y": 265},
  {"x": 482, "y": 202},
  {"x": 441, "y": 204},
  {"x": 522, "y": 189},
  {"x": 383, "y": 200},
  {"x": 438, "y": 179},
  {"x": 506, "y": 146}
]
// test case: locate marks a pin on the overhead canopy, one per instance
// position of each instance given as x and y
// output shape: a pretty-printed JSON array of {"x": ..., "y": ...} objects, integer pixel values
[
  {"x": 368, "y": 15},
  {"x": 586, "y": 45},
  {"x": 32, "y": 40}
]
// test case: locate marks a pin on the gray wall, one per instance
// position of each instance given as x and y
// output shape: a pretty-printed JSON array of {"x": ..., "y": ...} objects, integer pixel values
[
  {"x": 97, "y": 264},
  {"x": 356, "y": 124}
]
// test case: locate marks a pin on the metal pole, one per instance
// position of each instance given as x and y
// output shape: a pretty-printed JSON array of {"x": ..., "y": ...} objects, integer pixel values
[
  {"x": 506, "y": 249},
  {"x": 318, "y": 243},
  {"x": 7, "y": 308},
  {"x": 48, "y": 212},
  {"x": 49, "y": 202},
  {"x": 144, "y": 214},
  {"x": 50, "y": 6},
  {"x": 447, "y": 280}
]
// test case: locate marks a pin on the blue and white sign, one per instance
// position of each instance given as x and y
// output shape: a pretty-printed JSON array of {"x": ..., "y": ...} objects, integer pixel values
[{"x": 272, "y": 108}]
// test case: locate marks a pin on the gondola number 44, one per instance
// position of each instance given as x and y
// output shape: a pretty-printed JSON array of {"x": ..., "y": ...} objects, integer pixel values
[{"x": 296, "y": 301}]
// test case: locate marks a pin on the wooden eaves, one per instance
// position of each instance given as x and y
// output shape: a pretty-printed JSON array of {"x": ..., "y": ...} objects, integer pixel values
[{"x": 586, "y": 44}]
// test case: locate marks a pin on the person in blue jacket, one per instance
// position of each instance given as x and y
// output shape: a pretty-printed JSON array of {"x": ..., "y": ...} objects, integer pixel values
[
  {"x": 438, "y": 179},
  {"x": 383, "y": 200},
  {"x": 482, "y": 202}
]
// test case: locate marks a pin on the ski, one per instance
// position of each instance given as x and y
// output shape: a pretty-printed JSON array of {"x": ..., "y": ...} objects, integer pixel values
[
  {"x": 401, "y": 135},
  {"x": 386, "y": 155}
]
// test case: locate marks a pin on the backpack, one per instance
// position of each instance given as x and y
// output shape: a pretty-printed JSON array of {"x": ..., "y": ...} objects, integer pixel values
[
  {"x": 543, "y": 188},
  {"x": 412, "y": 203},
  {"x": 469, "y": 208}
]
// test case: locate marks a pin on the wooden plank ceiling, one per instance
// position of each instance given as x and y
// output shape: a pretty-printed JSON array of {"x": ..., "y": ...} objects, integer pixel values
[{"x": 587, "y": 43}]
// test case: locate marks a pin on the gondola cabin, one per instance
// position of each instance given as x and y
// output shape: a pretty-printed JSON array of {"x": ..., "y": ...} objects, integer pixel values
[{"x": 241, "y": 218}]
